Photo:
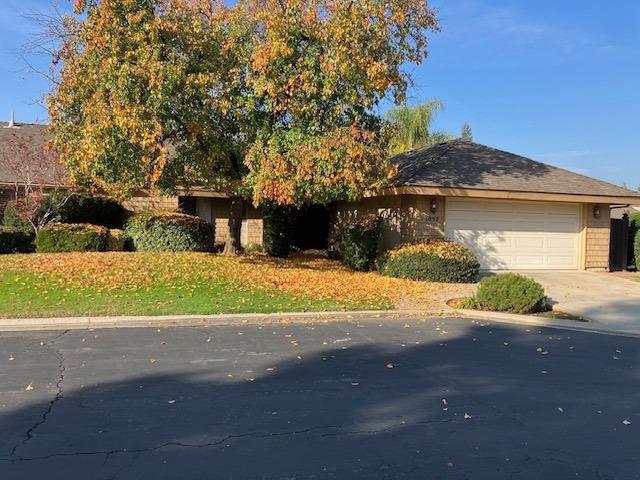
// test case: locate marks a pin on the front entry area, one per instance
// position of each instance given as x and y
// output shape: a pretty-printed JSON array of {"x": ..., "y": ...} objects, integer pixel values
[{"x": 516, "y": 235}]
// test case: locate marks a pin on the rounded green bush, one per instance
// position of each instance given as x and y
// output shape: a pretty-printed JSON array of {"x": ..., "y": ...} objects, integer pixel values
[
  {"x": 71, "y": 237},
  {"x": 358, "y": 242},
  {"x": 15, "y": 240},
  {"x": 434, "y": 260},
  {"x": 510, "y": 292},
  {"x": 116, "y": 240},
  {"x": 168, "y": 231}
]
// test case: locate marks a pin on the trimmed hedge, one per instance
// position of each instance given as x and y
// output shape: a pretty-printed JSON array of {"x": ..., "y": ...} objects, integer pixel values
[
  {"x": 15, "y": 240},
  {"x": 510, "y": 292},
  {"x": 71, "y": 237},
  {"x": 278, "y": 230},
  {"x": 358, "y": 242},
  {"x": 434, "y": 260},
  {"x": 116, "y": 240},
  {"x": 168, "y": 231}
]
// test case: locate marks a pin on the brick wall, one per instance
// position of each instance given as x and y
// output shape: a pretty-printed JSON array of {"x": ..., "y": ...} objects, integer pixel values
[
  {"x": 598, "y": 235},
  {"x": 144, "y": 202},
  {"x": 407, "y": 218}
]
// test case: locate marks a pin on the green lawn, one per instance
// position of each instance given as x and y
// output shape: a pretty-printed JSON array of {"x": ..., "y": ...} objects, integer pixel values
[{"x": 142, "y": 284}]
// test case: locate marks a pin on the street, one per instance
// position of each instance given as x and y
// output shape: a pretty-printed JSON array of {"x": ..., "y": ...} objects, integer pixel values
[{"x": 431, "y": 399}]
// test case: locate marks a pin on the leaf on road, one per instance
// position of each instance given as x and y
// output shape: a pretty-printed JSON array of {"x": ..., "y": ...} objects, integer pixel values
[{"x": 29, "y": 387}]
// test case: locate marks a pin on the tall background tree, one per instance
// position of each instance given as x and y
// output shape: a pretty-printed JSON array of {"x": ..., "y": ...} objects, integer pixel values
[
  {"x": 412, "y": 126},
  {"x": 466, "y": 133},
  {"x": 271, "y": 101}
]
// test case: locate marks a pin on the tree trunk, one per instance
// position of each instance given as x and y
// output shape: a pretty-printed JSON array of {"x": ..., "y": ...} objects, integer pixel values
[{"x": 236, "y": 212}]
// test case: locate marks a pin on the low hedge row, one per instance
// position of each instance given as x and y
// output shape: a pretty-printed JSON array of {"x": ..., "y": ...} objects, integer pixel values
[
  {"x": 432, "y": 260},
  {"x": 15, "y": 240},
  {"x": 168, "y": 231},
  {"x": 71, "y": 237}
]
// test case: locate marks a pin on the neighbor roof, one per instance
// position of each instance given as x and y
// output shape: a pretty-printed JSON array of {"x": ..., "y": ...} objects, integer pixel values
[
  {"x": 23, "y": 153},
  {"x": 468, "y": 165}
]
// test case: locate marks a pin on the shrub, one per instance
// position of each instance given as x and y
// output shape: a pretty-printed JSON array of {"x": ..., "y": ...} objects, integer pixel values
[
  {"x": 84, "y": 208},
  {"x": 71, "y": 237},
  {"x": 510, "y": 292},
  {"x": 358, "y": 242},
  {"x": 15, "y": 240},
  {"x": 636, "y": 248},
  {"x": 168, "y": 231},
  {"x": 12, "y": 217},
  {"x": 434, "y": 260},
  {"x": 65, "y": 207},
  {"x": 116, "y": 240},
  {"x": 278, "y": 231},
  {"x": 253, "y": 248},
  {"x": 634, "y": 230}
]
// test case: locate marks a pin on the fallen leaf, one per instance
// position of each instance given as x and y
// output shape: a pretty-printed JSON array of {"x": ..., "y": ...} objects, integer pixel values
[
  {"x": 29, "y": 387},
  {"x": 152, "y": 360}
]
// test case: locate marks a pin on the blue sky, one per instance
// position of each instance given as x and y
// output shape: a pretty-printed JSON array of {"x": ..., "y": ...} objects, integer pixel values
[{"x": 558, "y": 81}]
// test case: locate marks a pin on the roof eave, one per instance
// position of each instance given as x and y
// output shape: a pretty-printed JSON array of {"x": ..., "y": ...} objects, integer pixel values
[{"x": 507, "y": 195}]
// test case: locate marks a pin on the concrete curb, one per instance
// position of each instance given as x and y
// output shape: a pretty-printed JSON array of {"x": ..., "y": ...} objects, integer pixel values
[
  {"x": 77, "y": 323},
  {"x": 80, "y": 323},
  {"x": 512, "y": 318}
]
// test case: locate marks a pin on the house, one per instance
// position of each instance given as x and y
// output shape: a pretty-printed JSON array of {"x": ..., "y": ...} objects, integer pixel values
[
  {"x": 24, "y": 159},
  {"x": 511, "y": 211}
]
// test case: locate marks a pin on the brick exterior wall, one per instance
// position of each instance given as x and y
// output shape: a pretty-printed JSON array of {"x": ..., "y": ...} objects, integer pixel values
[
  {"x": 597, "y": 237},
  {"x": 144, "y": 202},
  {"x": 408, "y": 218}
]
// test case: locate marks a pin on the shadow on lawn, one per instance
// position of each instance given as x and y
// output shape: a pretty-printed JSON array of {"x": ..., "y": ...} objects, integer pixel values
[{"x": 344, "y": 414}]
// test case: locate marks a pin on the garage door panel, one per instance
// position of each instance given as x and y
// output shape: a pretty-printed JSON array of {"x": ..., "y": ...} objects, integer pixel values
[{"x": 516, "y": 235}]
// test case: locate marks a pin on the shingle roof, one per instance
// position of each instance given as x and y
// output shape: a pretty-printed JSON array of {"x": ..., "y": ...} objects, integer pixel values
[
  {"x": 463, "y": 164},
  {"x": 23, "y": 153}
]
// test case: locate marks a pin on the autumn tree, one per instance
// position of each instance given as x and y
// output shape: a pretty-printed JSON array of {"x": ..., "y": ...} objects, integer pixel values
[{"x": 272, "y": 101}]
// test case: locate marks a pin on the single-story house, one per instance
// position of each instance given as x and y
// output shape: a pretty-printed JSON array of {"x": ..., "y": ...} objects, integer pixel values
[{"x": 513, "y": 212}]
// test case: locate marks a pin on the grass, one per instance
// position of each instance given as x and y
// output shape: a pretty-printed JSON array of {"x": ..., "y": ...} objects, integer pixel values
[{"x": 119, "y": 283}]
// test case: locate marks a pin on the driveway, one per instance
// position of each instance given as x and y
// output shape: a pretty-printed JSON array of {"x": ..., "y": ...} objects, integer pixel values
[
  {"x": 407, "y": 399},
  {"x": 602, "y": 298}
]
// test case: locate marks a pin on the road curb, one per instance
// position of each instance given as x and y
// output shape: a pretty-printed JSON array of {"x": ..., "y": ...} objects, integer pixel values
[
  {"x": 527, "y": 320},
  {"x": 77, "y": 323}
]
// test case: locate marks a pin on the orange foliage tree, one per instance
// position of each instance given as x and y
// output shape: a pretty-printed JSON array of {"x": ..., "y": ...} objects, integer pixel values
[{"x": 273, "y": 101}]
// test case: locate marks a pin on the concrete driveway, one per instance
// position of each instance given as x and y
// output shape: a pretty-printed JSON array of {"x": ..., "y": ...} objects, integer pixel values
[{"x": 603, "y": 298}]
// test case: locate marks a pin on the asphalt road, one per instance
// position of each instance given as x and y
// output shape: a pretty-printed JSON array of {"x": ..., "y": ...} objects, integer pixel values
[{"x": 429, "y": 400}]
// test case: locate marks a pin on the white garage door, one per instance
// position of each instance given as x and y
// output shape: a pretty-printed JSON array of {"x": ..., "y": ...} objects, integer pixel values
[{"x": 516, "y": 235}]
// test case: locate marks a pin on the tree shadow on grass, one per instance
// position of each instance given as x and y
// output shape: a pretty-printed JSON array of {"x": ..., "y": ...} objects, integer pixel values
[{"x": 374, "y": 410}]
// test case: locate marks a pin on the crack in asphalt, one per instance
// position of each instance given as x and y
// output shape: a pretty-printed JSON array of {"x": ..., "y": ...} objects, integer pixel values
[
  {"x": 108, "y": 453},
  {"x": 58, "y": 396}
]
